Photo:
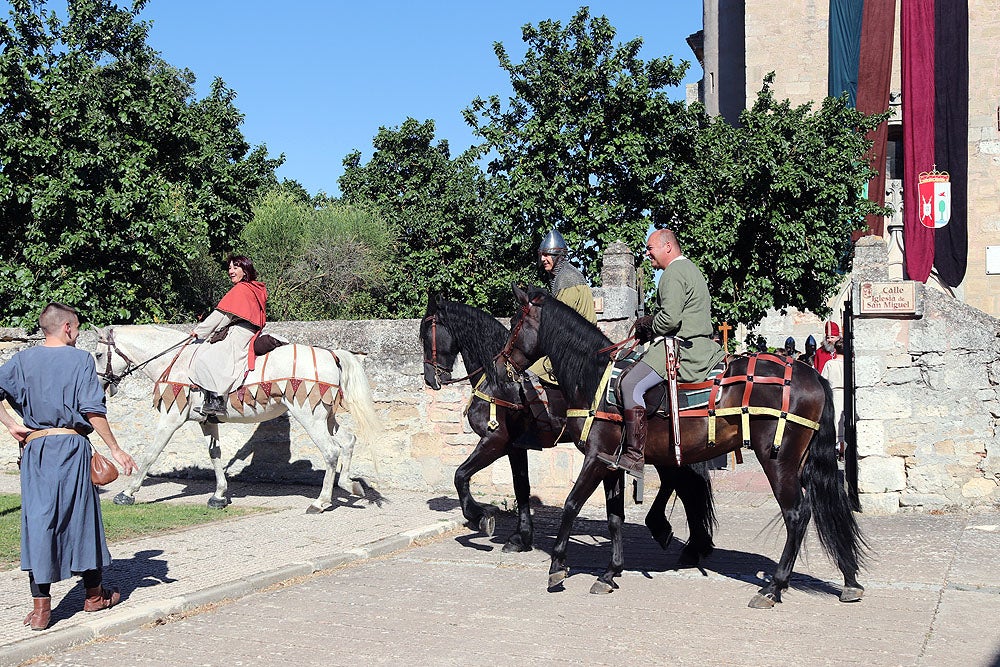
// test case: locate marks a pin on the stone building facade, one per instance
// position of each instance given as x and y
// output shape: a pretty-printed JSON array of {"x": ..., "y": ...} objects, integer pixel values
[
  {"x": 926, "y": 405},
  {"x": 742, "y": 40}
]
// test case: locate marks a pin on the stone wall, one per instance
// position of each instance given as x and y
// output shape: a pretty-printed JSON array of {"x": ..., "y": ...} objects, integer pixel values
[
  {"x": 927, "y": 404},
  {"x": 426, "y": 435}
]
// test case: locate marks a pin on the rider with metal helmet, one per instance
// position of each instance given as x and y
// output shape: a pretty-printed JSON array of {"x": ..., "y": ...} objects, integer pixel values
[
  {"x": 566, "y": 282},
  {"x": 568, "y": 285}
]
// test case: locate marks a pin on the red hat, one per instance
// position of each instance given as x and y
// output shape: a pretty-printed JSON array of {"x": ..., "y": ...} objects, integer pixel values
[{"x": 832, "y": 330}]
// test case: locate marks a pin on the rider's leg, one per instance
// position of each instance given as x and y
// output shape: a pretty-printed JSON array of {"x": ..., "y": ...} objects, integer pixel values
[{"x": 634, "y": 384}]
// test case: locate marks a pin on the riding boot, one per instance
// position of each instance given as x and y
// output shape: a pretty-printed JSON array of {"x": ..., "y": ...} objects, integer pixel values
[
  {"x": 214, "y": 405},
  {"x": 40, "y": 616},
  {"x": 99, "y": 598},
  {"x": 631, "y": 461}
]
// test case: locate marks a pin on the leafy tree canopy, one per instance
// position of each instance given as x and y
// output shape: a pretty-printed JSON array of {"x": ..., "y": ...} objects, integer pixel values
[
  {"x": 114, "y": 179},
  {"x": 440, "y": 210},
  {"x": 319, "y": 262},
  {"x": 587, "y": 143},
  {"x": 767, "y": 208}
]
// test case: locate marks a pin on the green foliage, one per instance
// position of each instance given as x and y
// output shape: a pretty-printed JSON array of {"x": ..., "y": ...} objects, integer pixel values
[
  {"x": 113, "y": 178},
  {"x": 440, "y": 211},
  {"x": 318, "y": 262},
  {"x": 120, "y": 522},
  {"x": 588, "y": 142},
  {"x": 766, "y": 209}
]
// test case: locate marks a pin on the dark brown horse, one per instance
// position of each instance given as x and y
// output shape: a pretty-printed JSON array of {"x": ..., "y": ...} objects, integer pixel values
[
  {"x": 781, "y": 408},
  {"x": 497, "y": 415}
]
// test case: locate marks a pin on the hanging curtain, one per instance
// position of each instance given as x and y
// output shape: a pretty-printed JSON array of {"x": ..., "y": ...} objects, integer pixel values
[
  {"x": 917, "y": 35},
  {"x": 844, "y": 47},
  {"x": 874, "y": 78},
  {"x": 951, "y": 133}
]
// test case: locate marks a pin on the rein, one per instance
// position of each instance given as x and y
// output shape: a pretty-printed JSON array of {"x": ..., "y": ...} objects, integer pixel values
[
  {"x": 131, "y": 367},
  {"x": 512, "y": 370}
]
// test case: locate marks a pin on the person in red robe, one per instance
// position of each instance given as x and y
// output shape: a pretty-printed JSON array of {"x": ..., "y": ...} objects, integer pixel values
[
  {"x": 828, "y": 350},
  {"x": 225, "y": 351}
]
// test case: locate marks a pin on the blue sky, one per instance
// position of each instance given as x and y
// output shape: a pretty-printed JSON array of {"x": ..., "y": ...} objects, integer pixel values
[{"x": 317, "y": 78}]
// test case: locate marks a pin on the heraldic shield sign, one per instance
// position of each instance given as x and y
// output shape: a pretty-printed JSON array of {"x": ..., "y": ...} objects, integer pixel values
[{"x": 934, "y": 189}]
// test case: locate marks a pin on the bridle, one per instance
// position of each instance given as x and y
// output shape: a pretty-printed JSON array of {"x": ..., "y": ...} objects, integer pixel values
[
  {"x": 513, "y": 372},
  {"x": 130, "y": 366},
  {"x": 440, "y": 370}
]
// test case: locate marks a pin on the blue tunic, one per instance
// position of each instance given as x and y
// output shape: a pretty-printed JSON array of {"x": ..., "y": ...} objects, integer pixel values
[{"x": 62, "y": 531}]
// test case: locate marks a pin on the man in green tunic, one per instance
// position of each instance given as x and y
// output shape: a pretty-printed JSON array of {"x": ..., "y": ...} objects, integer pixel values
[
  {"x": 685, "y": 312},
  {"x": 568, "y": 285}
]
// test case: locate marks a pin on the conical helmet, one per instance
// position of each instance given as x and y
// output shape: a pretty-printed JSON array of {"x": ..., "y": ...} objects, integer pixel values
[{"x": 552, "y": 244}]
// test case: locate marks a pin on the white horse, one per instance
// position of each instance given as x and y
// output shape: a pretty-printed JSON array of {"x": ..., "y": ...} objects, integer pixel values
[{"x": 310, "y": 383}]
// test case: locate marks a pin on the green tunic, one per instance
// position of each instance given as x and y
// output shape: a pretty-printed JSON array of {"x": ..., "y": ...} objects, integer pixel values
[
  {"x": 577, "y": 295},
  {"x": 685, "y": 311}
]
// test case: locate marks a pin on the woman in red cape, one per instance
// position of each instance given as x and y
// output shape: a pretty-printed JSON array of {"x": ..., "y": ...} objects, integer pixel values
[{"x": 225, "y": 353}]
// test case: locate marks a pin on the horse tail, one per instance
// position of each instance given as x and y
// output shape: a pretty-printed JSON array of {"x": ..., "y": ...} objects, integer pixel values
[
  {"x": 839, "y": 532},
  {"x": 358, "y": 395}
]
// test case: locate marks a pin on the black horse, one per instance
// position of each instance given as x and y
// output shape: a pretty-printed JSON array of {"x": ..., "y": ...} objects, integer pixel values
[
  {"x": 781, "y": 408},
  {"x": 497, "y": 414}
]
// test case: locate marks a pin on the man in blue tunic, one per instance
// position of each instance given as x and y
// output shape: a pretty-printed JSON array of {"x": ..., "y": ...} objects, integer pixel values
[{"x": 54, "y": 388}]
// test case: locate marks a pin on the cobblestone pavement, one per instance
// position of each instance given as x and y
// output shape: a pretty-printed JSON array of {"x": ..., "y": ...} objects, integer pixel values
[{"x": 429, "y": 591}]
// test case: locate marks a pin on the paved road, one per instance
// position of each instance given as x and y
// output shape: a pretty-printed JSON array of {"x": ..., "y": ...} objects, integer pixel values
[{"x": 932, "y": 598}]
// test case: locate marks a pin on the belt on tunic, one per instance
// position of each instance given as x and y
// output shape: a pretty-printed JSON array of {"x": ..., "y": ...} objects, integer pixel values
[{"x": 42, "y": 432}]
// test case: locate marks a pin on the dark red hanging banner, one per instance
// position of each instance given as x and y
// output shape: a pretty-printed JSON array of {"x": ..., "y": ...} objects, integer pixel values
[
  {"x": 874, "y": 79},
  {"x": 917, "y": 40}
]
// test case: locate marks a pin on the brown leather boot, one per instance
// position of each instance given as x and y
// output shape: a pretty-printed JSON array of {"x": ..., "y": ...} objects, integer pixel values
[
  {"x": 631, "y": 461},
  {"x": 40, "y": 616},
  {"x": 99, "y": 598}
]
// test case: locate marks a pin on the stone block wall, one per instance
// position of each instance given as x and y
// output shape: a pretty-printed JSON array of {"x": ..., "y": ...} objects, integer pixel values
[{"x": 927, "y": 405}]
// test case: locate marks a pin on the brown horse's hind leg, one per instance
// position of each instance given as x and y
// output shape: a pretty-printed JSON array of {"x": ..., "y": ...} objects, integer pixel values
[{"x": 796, "y": 521}]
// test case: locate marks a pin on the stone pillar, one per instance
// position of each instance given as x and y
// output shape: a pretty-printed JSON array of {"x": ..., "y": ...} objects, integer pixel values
[{"x": 616, "y": 299}]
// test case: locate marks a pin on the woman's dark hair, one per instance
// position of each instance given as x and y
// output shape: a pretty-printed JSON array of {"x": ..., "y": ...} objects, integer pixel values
[{"x": 244, "y": 262}]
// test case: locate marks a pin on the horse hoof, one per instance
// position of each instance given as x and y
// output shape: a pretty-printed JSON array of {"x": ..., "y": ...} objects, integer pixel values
[
  {"x": 762, "y": 601},
  {"x": 557, "y": 577},
  {"x": 851, "y": 594},
  {"x": 357, "y": 489},
  {"x": 122, "y": 499},
  {"x": 516, "y": 545},
  {"x": 487, "y": 524},
  {"x": 218, "y": 503},
  {"x": 688, "y": 558},
  {"x": 602, "y": 587},
  {"x": 664, "y": 540},
  {"x": 312, "y": 509}
]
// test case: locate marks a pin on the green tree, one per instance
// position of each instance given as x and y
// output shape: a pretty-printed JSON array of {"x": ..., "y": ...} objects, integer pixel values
[
  {"x": 113, "y": 177},
  {"x": 767, "y": 208},
  {"x": 440, "y": 210},
  {"x": 587, "y": 141},
  {"x": 318, "y": 262}
]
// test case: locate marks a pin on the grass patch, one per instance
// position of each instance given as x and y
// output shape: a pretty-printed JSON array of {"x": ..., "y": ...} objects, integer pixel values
[{"x": 120, "y": 522}]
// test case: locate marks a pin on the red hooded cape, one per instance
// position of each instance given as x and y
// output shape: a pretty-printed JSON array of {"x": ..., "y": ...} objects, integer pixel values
[{"x": 247, "y": 300}]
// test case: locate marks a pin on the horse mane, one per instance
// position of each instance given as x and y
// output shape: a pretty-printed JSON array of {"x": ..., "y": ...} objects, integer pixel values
[
  {"x": 572, "y": 344},
  {"x": 478, "y": 334}
]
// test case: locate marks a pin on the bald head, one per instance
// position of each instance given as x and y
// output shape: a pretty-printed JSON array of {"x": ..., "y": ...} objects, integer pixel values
[
  {"x": 662, "y": 248},
  {"x": 661, "y": 237}
]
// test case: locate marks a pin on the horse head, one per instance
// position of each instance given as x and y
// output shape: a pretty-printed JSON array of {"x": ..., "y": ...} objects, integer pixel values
[
  {"x": 112, "y": 364},
  {"x": 440, "y": 348},
  {"x": 523, "y": 345}
]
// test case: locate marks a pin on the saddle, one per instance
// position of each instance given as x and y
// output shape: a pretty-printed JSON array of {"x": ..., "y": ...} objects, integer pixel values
[{"x": 690, "y": 395}]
